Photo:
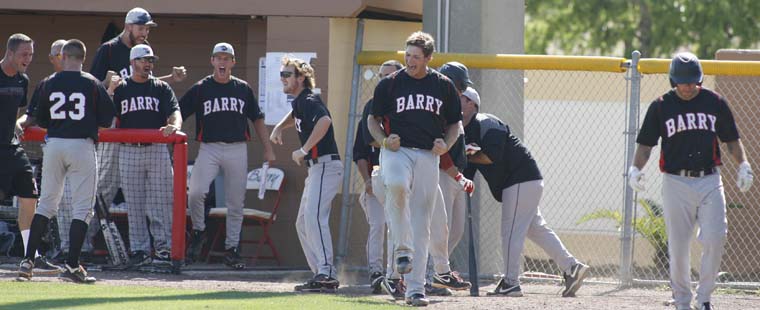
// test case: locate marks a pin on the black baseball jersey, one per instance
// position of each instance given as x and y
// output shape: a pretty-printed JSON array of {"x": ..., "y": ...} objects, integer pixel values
[
  {"x": 418, "y": 110},
  {"x": 362, "y": 148},
  {"x": 112, "y": 55},
  {"x": 73, "y": 104},
  {"x": 221, "y": 110},
  {"x": 144, "y": 105},
  {"x": 12, "y": 97},
  {"x": 308, "y": 108},
  {"x": 31, "y": 109},
  {"x": 512, "y": 162},
  {"x": 689, "y": 130}
]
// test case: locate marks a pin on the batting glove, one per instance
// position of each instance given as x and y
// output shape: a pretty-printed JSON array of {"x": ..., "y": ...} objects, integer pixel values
[
  {"x": 636, "y": 179},
  {"x": 744, "y": 176},
  {"x": 466, "y": 183}
]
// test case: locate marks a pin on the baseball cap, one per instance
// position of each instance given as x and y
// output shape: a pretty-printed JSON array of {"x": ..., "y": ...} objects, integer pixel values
[
  {"x": 141, "y": 51},
  {"x": 223, "y": 48},
  {"x": 473, "y": 95},
  {"x": 139, "y": 16},
  {"x": 458, "y": 74}
]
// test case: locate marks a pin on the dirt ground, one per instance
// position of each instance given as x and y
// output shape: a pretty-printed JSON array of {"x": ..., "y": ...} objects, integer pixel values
[{"x": 537, "y": 295}]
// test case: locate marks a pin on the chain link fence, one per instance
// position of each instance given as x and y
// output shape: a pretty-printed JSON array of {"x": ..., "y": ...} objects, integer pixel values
[{"x": 574, "y": 123}]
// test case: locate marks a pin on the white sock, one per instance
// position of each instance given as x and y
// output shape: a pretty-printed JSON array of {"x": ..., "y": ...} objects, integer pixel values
[{"x": 25, "y": 238}]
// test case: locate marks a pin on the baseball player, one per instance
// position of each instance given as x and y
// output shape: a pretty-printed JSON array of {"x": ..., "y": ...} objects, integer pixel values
[
  {"x": 691, "y": 121},
  {"x": 146, "y": 102},
  {"x": 222, "y": 105},
  {"x": 14, "y": 87},
  {"x": 367, "y": 155},
  {"x": 318, "y": 151},
  {"x": 514, "y": 180},
  {"x": 421, "y": 111},
  {"x": 73, "y": 104},
  {"x": 112, "y": 58},
  {"x": 113, "y": 55}
]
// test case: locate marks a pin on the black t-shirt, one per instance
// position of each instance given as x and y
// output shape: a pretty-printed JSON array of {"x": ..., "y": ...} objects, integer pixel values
[
  {"x": 144, "y": 105},
  {"x": 12, "y": 97},
  {"x": 112, "y": 55},
  {"x": 308, "y": 108},
  {"x": 73, "y": 104},
  {"x": 221, "y": 111},
  {"x": 512, "y": 162},
  {"x": 418, "y": 110},
  {"x": 362, "y": 148},
  {"x": 689, "y": 130}
]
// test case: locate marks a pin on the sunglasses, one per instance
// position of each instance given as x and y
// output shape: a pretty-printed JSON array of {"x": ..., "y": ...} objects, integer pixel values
[
  {"x": 286, "y": 74},
  {"x": 148, "y": 59}
]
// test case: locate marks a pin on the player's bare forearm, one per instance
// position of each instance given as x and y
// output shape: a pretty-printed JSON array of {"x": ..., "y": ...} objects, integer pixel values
[
  {"x": 373, "y": 124},
  {"x": 641, "y": 156},
  {"x": 175, "y": 120},
  {"x": 452, "y": 133},
  {"x": 479, "y": 158},
  {"x": 736, "y": 149},
  {"x": 319, "y": 132},
  {"x": 286, "y": 122},
  {"x": 363, "y": 166},
  {"x": 25, "y": 121}
]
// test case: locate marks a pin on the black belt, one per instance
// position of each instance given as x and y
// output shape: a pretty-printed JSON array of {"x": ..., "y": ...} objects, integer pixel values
[
  {"x": 694, "y": 173},
  {"x": 322, "y": 159},
  {"x": 138, "y": 144}
]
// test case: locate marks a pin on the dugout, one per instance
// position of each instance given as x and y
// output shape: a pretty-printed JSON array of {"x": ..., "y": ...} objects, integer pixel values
[{"x": 188, "y": 30}]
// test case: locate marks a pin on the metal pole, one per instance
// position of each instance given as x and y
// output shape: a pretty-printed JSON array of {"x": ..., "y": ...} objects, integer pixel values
[
  {"x": 345, "y": 211},
  {"x": 626, "y": 245}
]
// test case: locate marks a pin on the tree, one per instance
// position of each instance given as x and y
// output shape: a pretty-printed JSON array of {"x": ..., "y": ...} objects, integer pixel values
[{"x": 655, "y": 28}]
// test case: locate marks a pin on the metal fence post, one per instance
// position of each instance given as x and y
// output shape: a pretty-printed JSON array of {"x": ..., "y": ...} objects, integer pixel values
[
  {"x": 627, "y": 235},
  {"x": 345, "y": 210}
]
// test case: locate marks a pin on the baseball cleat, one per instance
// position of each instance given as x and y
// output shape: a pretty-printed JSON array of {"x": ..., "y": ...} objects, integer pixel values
[
  {"x": 437, "y": 291},
  {"x": 76, "y": 275},
  {"x": 162, "y": 258},
  {"x": 319, "y": 284},
  {"x": 574, "y": 279},
  {"x": 44, "y": 266},
  {"x": 404, "y": 264},
  {"x": 376, "y": 282},
  {"x": 417, "y": 300},
  {"x": 450, "y": 280},
  {"x": 25, "y": 270},
  {"x": 139, "y": 258},
  {"x": 505, "y": 289},
  {"x": 233, "y": 260},
  {"x": 394, "y": 287},
  {"x": 197, "y": 239}
]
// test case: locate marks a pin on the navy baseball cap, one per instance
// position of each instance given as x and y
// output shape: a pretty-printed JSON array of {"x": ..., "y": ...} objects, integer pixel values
[
  {"x": 139, "y": 16},
  {"x": 141, "y": 51},
  {"x": 458, "y": 74}
]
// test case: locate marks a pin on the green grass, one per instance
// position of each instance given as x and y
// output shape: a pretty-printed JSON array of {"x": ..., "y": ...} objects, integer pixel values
[{"x": 15, "y": 295}]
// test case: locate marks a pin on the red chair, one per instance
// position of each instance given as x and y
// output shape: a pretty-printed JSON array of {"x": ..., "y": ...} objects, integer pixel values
[{"x": 275, "y": 181}]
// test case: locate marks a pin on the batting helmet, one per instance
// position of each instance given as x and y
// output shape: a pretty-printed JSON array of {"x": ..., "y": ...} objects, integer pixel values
[
  {"x": 685, "y": 69},
  {"x": 458, "y": 74}
]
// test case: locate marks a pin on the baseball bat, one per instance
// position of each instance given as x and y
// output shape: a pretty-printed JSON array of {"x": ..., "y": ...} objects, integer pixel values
[
  {"x": 116, "y": 249},
  {"x": 475, "y": 288}
]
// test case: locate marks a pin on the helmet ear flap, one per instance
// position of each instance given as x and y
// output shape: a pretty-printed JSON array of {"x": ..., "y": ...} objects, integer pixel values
[{"x": 673, "y": 83}]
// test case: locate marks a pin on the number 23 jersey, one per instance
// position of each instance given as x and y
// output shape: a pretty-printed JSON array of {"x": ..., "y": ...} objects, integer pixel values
[{"x": 73, "y": 104}]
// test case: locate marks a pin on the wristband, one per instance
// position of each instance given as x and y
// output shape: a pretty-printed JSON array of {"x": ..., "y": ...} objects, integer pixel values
[
  {"x": 303, "y": 152},
  {"x": 384, "y": 146}
]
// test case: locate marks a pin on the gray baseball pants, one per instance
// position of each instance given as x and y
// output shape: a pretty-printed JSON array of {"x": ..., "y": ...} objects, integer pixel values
[
  {"x": 147, "y": 178},
  {"x": 313, "y": 222},
  {"x": 689, "y": 202},
  {"x": 521, "y": 218},
  {"x": 232, "y": 158},
  {"x": 409, "y": 202}
]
